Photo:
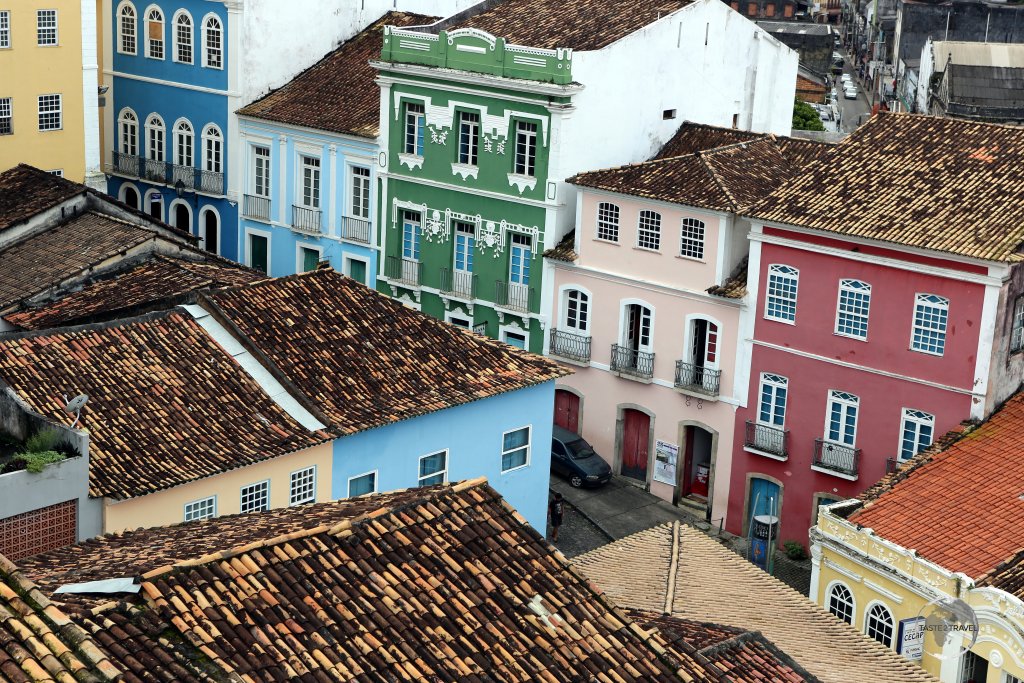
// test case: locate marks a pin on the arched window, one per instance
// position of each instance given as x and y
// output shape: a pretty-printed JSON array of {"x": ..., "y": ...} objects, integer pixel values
[
  {"x": 840, "y": 602},
  {"x": 212, "y": 149},
  {"x": 183, "y": 144},
  {"x": 154, "y": 33},
  {"x": 129, "y": 133},
  {"x": 155, "y": 138},
  {"x": 126, "y": 29},
  {"x": 213, "y": 43},
  {"x": 648, "y": 232},
  {"x": 183, "y": 37},
  {"x": 130, "y": 196},
  {"x": 879, "y": 624},
  {"x": 577, "y": 311}
]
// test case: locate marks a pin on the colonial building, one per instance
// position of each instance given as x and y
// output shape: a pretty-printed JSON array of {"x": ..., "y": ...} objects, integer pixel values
[
  {"x": 48, "y": 98},
  {"x": 485, "y": 114},
  {"x": 975, "y": 81},
  {"x": 945, "y": 526},
  {"x": 886, "y": 312}
]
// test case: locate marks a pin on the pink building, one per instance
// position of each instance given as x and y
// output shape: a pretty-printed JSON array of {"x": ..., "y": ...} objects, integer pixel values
[
  {"x": 648, "y": 296},
  {"x": 886, "y": 290}
]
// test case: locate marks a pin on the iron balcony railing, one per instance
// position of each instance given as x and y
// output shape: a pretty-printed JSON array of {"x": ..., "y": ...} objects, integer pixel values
[
  {"x": 156, "y": 171},
  {"x": 186, "y": 175},
  {"x": 458, "y": 283},
  {"x": 211, "y": 182},
  {"x": 569, "y": 345},
  {"x": 305, "y": 219},
  {"x": 134, "y": 166},
  {"x": 404, "y": 271},
  {"x": 514, "y": 296},
  {"x": 767, "y": 439},
  {"x": 632, "y": 362},
  {"x": 254, "y": 206},
  {"x": 697, "y": 378},
  {"x": 836, "y": 457},
  {"x": 355, "y": 229},
  {"x": 481, "y": 328},
  {"x": 126, "y": 164}
]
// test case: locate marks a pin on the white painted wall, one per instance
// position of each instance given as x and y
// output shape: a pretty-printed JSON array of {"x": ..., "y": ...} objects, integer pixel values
[
  {"x": 90, "y": 97},
  {"x": 924, "y": 75}
]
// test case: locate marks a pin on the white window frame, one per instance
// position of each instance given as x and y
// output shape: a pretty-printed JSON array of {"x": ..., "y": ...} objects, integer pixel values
[
  {"x": 852, "y": 601},
  {"x": 781, "y": 272},
  {"x": 59, "y": 111},
  {"x": 514, "y": 329},
  {"x": 121, "y": 34},
  {"x": 869, "y": 618},
  {"x": 649, "y": 231},
  {"x": 921, "y": 304},
  {"x": 347, "y": 264},
  {"x": 59, "y": 172},
  {"x": 845, "y": 400},
  {"x": 199, "y": 504},
  {"x": 443, "y": 473},
  {"x": 624, "y": 305},
  {"x": 918, "y": 418},
  {"x": 776, "y": 381},
  {"x": 604, "y": 221},
  {"x": 190, "y": 135},
  {"x": 850, "y": 309},
  {"x": 585, "y": 305},
  {"x": 291, "y": 486},
  {"x": 206, "y": 42},
  {"x": 7, "y": 113},
  {"x": 529, "y": 449},
  {"x": 376, "y": 483},
  {"x": 212, "y": 132},
  {"x": 449, "y": 315},
  {"x": 692, "y": 233},
  {"x": 299, "y": 246},
  {"x": 176, "y": 43},
  {"x": 314, "y": 203},
  {"x": 40, "y": 28},
  {"x": 419, "y": 125},
  {"x": 5, "y": 29},
  {"x": 529, "y": 166},
  {"x": 154, "y": 126},
  {"x": 248, "y": 255},
  {"x": 691, "y": 326},
  {"x": 123, "y": 122},
  {"x": 266, "y": 161},
  {"x": 162, "y": 42},
  {"x": 472, "y": 157},
  {"x": 356, "y": 178},
  {"x": 1017, "y": 329},
  {"x": 265, "y": 484}
]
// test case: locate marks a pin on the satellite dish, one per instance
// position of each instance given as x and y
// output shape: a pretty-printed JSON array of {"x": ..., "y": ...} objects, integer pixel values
[{"x": 75, "y": 404}]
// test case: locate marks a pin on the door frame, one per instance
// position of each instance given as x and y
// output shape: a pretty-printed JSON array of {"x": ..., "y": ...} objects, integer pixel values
[
  {"x": 620, "y": 433},
  {"x": 746, "y": 499},
  {"x": 676, "y": 495},
  {"x": 579, "y": 407}
]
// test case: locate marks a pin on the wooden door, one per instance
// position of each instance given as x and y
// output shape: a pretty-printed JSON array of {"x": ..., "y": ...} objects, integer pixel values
[
  {"x": 635, "y": 437},
  {"x": 567, "y": 410}
]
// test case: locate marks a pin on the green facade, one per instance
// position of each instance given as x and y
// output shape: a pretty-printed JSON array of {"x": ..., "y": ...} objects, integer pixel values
[{"x": 433, "y": 184}]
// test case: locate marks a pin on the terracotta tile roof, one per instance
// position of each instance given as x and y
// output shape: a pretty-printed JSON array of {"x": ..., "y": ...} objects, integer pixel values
[
  {"x": 364, "y": 359},
  {"x": 564, "y": 250},
  {"x": 145, "y": 379},
  {"x": 713, "y": 584},
  {"x": 801, "y": 152},
  {"x": 692, "y": 137},
  {"x": 974, "y": 518},
  {"x": 337, "y": 94},
  {"x": 450, "y": 584},
  {"x": 749, "y": 171},
  {"x": 735, "y": 287},
  {"x": 158, "y": 281},
  {"x": 45, "y": 259},
  {"x": 742, "y": 655},
  {"x": 25, "y": 191},
  {"x": 934, "y": 183},
  {"x": 576, "y": 24},
  {"x": 39, "y": 643}
]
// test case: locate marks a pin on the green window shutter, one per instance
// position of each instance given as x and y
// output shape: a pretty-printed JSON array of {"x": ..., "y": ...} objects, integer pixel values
[
  {"x": 310, "y": 259},
  {"x": 357, "y": 270},
  {"x": 258, "y": 252}
]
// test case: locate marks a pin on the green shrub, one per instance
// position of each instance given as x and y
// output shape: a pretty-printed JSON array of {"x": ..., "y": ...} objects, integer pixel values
[
  {"x": 41, "y": 449},
  {"x": 805, "y": 117},
  {"x": 35, "y": 462},
  {"x": 795, "y": 550},
  {"x": 42, "y": 441}
]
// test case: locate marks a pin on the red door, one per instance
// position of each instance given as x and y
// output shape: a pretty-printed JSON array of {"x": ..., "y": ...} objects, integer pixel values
[
  {"x": 635, "y": 436},
  {"x": 567, "y": 410}
]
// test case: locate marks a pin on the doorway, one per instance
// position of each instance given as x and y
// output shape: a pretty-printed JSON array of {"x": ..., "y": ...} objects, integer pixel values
[
  {"x": 567, "y": 410},
  {"x": 211, "y": 232},
  {"x": 182, "y": 218},
  {"x": 973, "y": 669},
  {"x": 131, "y": 197},
  {"x": 763, "y": 499},
  {"x": 636, "y": 433},
  {"x": 156, "y": 206},
  {"x": 696, "y": 474}
]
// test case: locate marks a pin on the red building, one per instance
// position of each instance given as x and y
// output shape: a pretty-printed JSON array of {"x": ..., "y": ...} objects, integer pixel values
[{"x": 887, "y": 309}]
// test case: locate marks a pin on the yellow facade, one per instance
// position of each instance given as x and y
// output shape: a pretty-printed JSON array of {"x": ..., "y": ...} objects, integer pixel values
[
  {"x": 168, "y": 507},
  {"x": 876, "y": 571},
  {"x": 29, "y": 70}
]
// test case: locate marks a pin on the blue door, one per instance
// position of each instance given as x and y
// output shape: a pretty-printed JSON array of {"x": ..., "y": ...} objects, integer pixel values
[{"x": 764, "y": 498}]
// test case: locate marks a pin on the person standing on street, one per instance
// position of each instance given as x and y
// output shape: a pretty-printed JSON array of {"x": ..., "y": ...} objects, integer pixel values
[{"x": 555, "y": 514}]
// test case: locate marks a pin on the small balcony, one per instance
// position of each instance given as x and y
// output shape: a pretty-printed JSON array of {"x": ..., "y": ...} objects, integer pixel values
[
  {"x": 835, "y": 458},
  {"x": 186, "y": 175},
  {"x": 459, "y": 284},
  {"x": 211, "y": 182},
  {"x": 404, "y": 271},
  {"x": 632, "y": 362},
  {"x": 569, "y": 345},
  {"x": 125, "y": 164},
  {"x": 156, "y": 171},
  {"x": 767, "y": 440},
  {"x": 306, "y": 220},
  {"x": 697, "y": 379},
  {"x": 355, "y": 229},
  {"x": 515, "y": 297},
  {"x": 256, "y": 207}
]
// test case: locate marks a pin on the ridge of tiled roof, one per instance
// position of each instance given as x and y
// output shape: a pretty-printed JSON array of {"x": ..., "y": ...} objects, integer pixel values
[
  {"x": 710, "y": 583},
  {"x": 954, "y": 489},
  {"x": 578, "y": 24},
  {"x": 26, "y": 190},
  {"x": 143, "y": 376},
  {"x": 692, "y": 137},
  {"x": 451, "y": 583},
  {"x": 157, "y": 281},
  {"x": 747, "y": 171},
  {"x": 338, "y": 93},
  {"x": 365, "y": 359},
  {"x": 39, "y": 643},
  {"x": 565, "y": 250},
  {"x": 927, "y": 182}
]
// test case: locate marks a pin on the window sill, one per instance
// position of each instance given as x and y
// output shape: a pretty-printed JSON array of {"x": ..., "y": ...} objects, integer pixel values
[
  {"x": 849, "y": 336},
  {"x": 516, "y": 469},
  {"x": 413, "y": 161},
  {"x": 522, "y": 182},
  {"x": 604, "y": 241},
  {"x": 927, "y": 353},
  {"x": 834, "y": 473},
  {"x": 647, "y": 249},
  {"x": 691, "y": 259},
  {"x": 465, "y": 170},
  {"x": 778, "y": 320},
  {"x": 766, "y": 454}
]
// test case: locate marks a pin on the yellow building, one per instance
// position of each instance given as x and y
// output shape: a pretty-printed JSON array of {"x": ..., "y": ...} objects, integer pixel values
[
  {"x": 48, "y": 87},
  {"x": 947, "y": 526}
]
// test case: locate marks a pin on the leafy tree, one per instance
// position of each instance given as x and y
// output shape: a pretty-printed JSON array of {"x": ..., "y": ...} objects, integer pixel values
[{"x": 805, "y": 117}]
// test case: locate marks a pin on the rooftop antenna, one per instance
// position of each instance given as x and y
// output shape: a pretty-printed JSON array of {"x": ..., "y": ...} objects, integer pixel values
[{"x": 75, "y": 406}]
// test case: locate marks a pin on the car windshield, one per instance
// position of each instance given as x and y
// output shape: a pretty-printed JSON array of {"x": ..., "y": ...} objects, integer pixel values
[{"x": 580, "y": 449}]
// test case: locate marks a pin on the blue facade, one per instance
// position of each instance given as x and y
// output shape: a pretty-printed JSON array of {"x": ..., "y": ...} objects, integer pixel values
[
  {"x": 169, "y": 101},
  {"x": 308, "y": 197},
  {"x": 474, "y": 435}
]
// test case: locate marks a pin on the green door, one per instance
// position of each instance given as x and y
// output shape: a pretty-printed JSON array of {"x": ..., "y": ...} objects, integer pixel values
[
  {"x": 310, "y": 259},
  {"x": 357, "y": 270},
  {"x": 258, "y": 253}
]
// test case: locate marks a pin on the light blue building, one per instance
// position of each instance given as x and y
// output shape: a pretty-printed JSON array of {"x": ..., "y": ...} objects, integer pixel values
[{"x": 167, "y": 113}]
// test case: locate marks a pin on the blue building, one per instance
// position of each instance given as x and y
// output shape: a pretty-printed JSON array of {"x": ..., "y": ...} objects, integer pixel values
[
  {"x": 168, "y": 114},
  {"x": 309, "y": 164}
]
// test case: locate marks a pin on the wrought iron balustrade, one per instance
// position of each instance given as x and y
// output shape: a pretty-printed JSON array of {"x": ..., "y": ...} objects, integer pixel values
[
  {"x": 836, "y": 457},
  {"x": 514, "y": 296},
  {"x": 355, "y": 229},
  {"x": 632, "y": 361},
  {"x": 697, "y": 378},
  {"x": 156, "y": 171},
  {"x": 404, "y": 271},
  {"x": 306, "y": 220},
  {"x": 767, "y": 439},
  {"x": 254, "y": 206},
  {"x": 459, "y": 283},
  {"x": 125, "y": 164},
  {"x": 211, "y": 182},
  {"x": 569, "y": 345}
]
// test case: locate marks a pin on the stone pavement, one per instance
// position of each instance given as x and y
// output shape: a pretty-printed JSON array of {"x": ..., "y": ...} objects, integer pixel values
[{"x": 618, "y": 509}]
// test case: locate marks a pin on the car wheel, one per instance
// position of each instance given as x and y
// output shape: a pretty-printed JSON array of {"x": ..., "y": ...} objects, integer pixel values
[{"x": 576, "y": 481}]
